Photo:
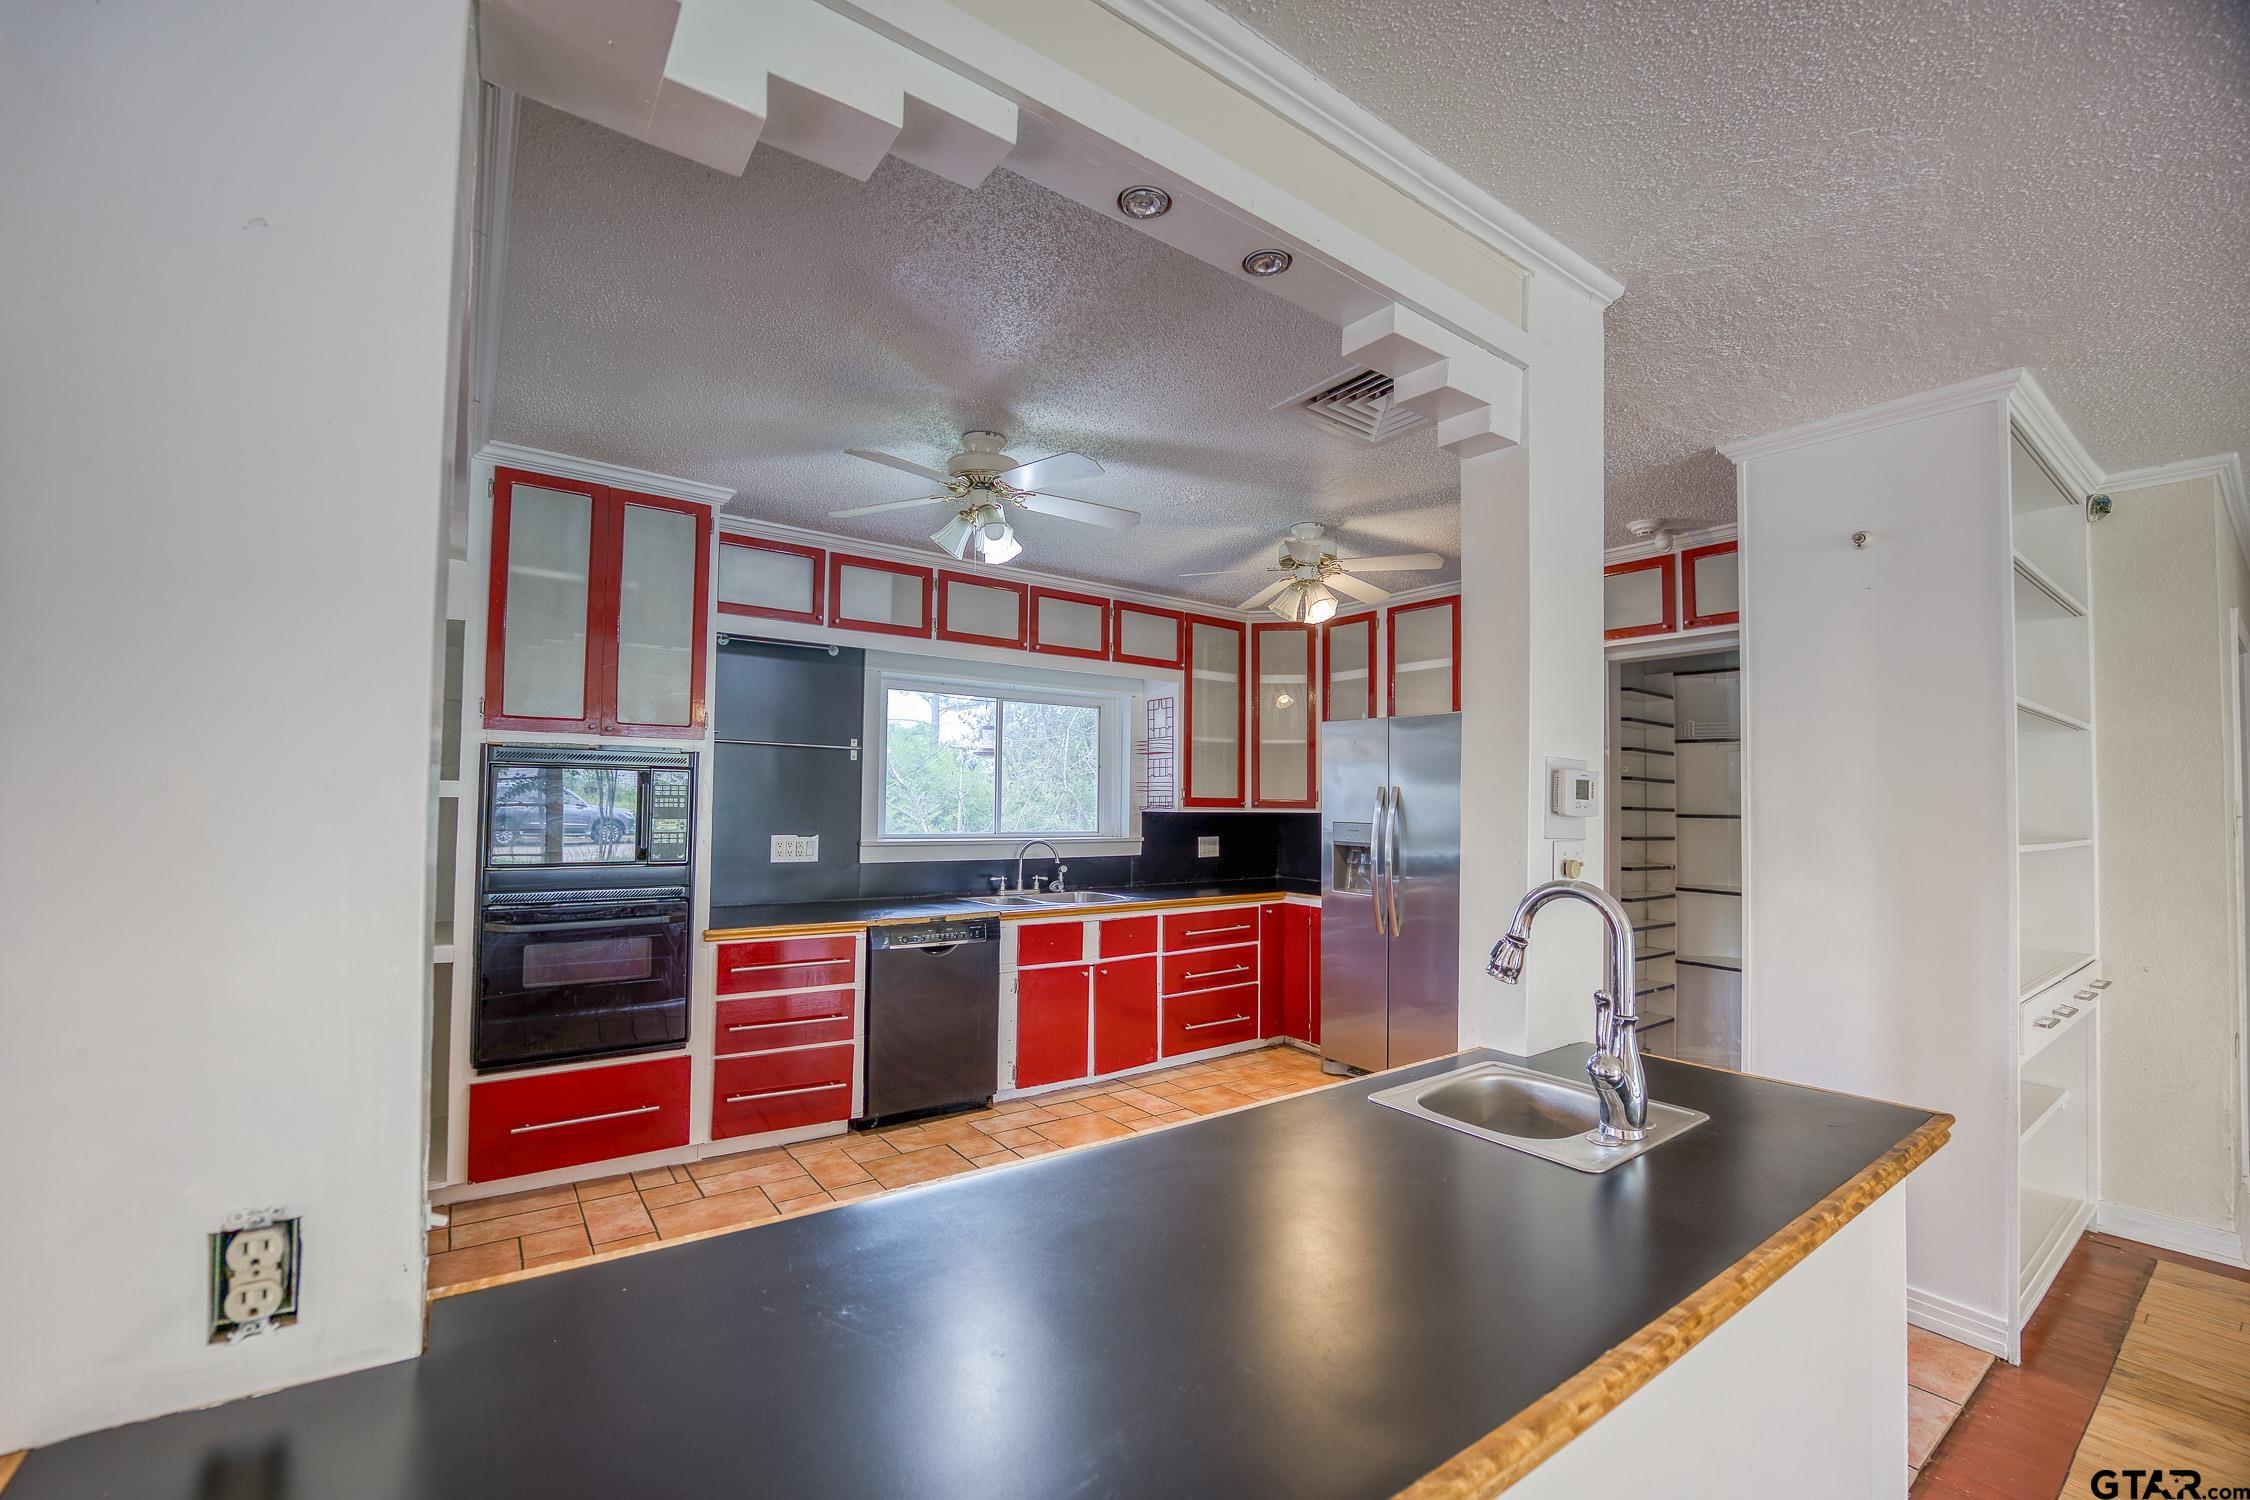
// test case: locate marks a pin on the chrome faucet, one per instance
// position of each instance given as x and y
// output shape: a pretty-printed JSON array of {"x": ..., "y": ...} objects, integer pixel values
[
  {"x": 1620, "y": 1082},
  {"x": 1061, "y": 869}
]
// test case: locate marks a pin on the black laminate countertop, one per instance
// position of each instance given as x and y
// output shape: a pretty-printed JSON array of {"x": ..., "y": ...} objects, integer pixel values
[
  {"x": 1314, "y": 1297},
  {"x": 908, "y": 908}
]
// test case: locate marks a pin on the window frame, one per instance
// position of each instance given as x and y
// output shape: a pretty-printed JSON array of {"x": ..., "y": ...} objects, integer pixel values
[{"x": 1118, "y": 829}]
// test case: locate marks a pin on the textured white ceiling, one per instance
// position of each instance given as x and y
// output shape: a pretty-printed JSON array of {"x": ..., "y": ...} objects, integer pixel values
[
  {"x": 1820, "y": 204},
  {"x": 744, "y": 331}
]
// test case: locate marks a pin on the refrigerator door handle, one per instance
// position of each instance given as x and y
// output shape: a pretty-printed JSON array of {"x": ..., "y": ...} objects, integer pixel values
[
  {"x": 1375, "y": 854},
  {"x": 1391, "y": 863}
]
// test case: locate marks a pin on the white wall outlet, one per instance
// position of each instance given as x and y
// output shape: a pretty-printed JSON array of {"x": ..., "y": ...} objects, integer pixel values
[
  {"x": 254, "y": 1263},
  {"x": 1207, "y": 846},
  {"x": 796, "y": 849}
]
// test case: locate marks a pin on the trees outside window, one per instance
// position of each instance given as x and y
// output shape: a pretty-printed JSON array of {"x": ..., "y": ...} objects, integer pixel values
[{"x": 967, "y": 764}]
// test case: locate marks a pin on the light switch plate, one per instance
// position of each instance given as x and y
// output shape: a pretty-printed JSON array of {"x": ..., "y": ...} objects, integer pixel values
[
  {"x": 796, "y": 849},
  {"x": 1207, "y": 847}
]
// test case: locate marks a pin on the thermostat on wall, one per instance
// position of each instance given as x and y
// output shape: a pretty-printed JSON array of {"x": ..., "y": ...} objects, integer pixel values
[{"x": 1570, "y": 792}]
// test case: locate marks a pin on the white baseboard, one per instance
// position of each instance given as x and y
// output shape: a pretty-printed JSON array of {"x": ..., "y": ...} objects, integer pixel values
[
  {"x": 2223, "y": 1245},
  {"x": 1964, "y": 1325}
]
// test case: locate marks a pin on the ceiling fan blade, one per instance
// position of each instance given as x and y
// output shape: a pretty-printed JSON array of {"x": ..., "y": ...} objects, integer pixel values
[
  {"x": 1395, "y": 562},
  {"x": 1116, "y": 518},
  {"x": 1055, "y": 468},
  {"x": 1265, "y": 595},
  {"x": 876, "y": 510},
  {"x": 893, "y": 461},
  {"x": 1358, "y": 588}
]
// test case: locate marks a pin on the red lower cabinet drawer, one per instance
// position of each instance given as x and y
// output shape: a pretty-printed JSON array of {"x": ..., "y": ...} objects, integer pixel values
[
  {"x": 1051, "y": 943},
  {"x": 786, "y": 964},
  {"x": 1210, "y": 929},
  {"x": 758, "y": 1023},
  {"x": 520, "y": 1125},
  {"x": 1210, "y": 969},
  {"x": 1123, "y": 937},
  {"x": 781, "y": 1090},
  {"x": 1210, "y": 1018}
]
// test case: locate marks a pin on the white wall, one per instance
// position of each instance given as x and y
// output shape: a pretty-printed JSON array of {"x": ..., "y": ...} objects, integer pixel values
[
  {"x": 2166, "y": 568},
  {"x": 222, "y": 453},
  {"x": 1878, "y": 834}
]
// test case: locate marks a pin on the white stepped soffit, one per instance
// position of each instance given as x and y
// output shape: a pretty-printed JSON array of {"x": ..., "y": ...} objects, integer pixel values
[
  {"x": 710, "y": 79},
  {"x": 1475, "y": 396}
]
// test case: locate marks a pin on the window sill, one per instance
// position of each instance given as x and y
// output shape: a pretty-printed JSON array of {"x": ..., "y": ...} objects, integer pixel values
[{"x": 957, "y": 849}]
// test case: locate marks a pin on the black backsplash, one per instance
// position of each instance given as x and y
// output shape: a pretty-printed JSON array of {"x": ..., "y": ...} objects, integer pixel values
[{"x": 1252, "y": 846}]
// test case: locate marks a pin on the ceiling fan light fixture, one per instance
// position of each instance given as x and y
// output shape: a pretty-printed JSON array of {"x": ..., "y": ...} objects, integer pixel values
[
  {"x": 1320, "y": 602},
  {"x": 1144, "y": 202},
  {"x": 953, "y": 537}
]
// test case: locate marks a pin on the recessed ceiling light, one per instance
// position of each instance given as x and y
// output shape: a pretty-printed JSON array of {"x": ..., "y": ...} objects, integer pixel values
[
  {"x": 1266, "y": 262},
  {"x": 1144, "y": 202}
]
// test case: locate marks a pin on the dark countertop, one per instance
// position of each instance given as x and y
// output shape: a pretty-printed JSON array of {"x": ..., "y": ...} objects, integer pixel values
[
  {"x": 1312, "y": 1297},
  {"x": 908, "y": 908}
]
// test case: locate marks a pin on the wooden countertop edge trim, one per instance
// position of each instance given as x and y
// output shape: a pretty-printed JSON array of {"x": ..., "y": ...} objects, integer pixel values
[
  {"x": 1106, "y": 909},
  {"x": 9, "y": 1463},
  {"x": 1505, "y": 1455}
]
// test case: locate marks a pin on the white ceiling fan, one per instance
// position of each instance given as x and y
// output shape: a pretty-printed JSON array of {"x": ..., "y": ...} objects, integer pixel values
[
  {"x": 982, "y": 480},
  {"x": 1312, "y": 574}
]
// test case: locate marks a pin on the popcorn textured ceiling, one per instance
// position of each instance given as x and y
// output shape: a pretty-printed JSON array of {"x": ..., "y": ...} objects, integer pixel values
[
  {"x": 745, "y": 331},
  {"x": 1820, "y": 204}
]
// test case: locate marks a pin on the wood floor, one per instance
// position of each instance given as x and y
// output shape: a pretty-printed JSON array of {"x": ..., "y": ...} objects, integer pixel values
[
  {"x": 2019, "y": 1433},
  {"x": 553, "y": 1227},
  {"x": 2179, "y": 1397}
]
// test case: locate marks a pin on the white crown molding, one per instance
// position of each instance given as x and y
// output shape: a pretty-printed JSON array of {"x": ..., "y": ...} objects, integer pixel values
[
  {"x": 1256, "y": 68},
  {"x": 1681, "y": 542},
  {"x": 593, "y": 471},
  {"x": 1867, "y": 419},
  {"x": 2051, "y": 438},
  {"x": 2226, "y": 468}
]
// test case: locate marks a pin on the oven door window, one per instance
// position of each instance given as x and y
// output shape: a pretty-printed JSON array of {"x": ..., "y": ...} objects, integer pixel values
[
  {"x": 601, "y": 960},
  {"x": 563, "y": 815}
]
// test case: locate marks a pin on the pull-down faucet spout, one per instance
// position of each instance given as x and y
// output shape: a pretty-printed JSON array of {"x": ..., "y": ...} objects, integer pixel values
[{"x": 1620, "y": 1081}]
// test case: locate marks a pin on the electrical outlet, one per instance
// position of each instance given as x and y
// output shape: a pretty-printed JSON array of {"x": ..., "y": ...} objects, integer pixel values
[
  {"x": 1207, "y": 847},
  {"x": 795, "y": 849},
  {"x": 254, "y": 1261}
]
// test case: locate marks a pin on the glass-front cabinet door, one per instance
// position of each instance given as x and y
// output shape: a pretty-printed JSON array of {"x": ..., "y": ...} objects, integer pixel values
[
  {"x": 1425, "y": 657},
  {"x": 1348, "y": 668},
  {"x": 1282, "y": 715},
  {"x": 598, "y": 615},
  {"x": 1214, "y": 713}
]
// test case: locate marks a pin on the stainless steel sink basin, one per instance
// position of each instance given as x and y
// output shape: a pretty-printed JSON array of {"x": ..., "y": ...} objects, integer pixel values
[
  {"x": 1535, "y": 1113},
  {"x": 1017, "y": 900}
]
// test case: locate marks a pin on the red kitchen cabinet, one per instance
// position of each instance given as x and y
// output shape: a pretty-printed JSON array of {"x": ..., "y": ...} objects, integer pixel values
[
  {"x": 1051, "y": 1025},
  {"x": 1218, "y": 928},
  {"x": 1210, "y": 969},
  {"x": 781, "y": 1090},
  {"x": 599, "y": 609},
  {"x": 1050, "y": 943},
  {"x": 1640, "y": 597},
  {"x": 550, "y": 1120},
  {"x": 1300, "y": 972},
  {"x": 1210, "y": 1018},
  {"x": 1127, "y": 937},
  {"x": 1124, "y": 1014},
  {"x": 1270, "y": 968}
]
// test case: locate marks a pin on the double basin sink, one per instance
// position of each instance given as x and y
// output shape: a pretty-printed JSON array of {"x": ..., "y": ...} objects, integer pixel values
[{"x": 1027, "y": 900}]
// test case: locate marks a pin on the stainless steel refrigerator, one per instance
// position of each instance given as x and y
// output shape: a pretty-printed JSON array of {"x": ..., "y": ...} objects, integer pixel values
[{"x": 1390, "y": 890}]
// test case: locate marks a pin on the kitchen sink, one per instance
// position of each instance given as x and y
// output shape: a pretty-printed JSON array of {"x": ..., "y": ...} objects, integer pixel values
[
  {"x": 1535, "y": 1113},
  {"x": 1017, "y": 900}
]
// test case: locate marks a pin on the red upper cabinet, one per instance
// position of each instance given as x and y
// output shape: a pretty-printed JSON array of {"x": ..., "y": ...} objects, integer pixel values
[
  {"x": 1067, "y": 624},
  {"x": 873, "y": 593},
  {"x": 1147, "y": 636},
  {"x": 599, "y": 617},
  {"x": 1347, "y": 668},
  {"x": 1710, "y": 587},
  {"x": 1640, "y": 597},
  {"x": 981, "y": 611},
  {"x": 772, "y": 580},
  {"x": 1212, "y": 752},
  {"x": 1284, "y": 766},
  {"x": 1424, "y": 665}
]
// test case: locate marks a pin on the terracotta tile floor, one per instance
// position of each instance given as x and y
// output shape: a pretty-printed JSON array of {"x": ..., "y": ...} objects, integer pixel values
[
  {"x": 1941, "y": 1375},
  {"x": 558, "y": 1225}
]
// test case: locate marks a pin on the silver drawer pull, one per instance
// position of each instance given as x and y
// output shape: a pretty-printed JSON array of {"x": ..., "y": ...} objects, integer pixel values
[
  {"x": 2066, "y": 1011},
  {"x": 2085, "y": 995},
  {"x": 1215, "y": 931},
  {"x": 795, "y": 963},
  {"x": 615, "y": 1114},
  {"x": 810, "y": 1088},
  {"x": 800, "y": 1021},
  {"x": 2048, "y": 1023},
  {"x": 1218, "y": 973},
  {"x": 2097, "y": 984},
  {"x": 1204, "y": 1025}
]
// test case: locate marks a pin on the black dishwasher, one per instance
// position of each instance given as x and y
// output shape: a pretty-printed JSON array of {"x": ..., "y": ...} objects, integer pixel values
[{"x": 933, "y": 1017}]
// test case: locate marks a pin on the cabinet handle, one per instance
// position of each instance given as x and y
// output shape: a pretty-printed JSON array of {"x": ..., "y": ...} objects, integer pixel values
[
  {"x": 2084, "y": 995},
  {"x": 810, "y": 1088},
  {"x": 2097, "y": 984},
  {"x": 1218, "y": 973},
  {"x": 2066, "y": 1011},
  {"x": 795, "y": 963},
  {"x": 802, "y": 1021},
  {"x": 1205, "y": 1025},
  {"x": 615, "y": 1114},
  {"x": 2047, "y": 1023},
  {"x": 1215, "y": 931}
]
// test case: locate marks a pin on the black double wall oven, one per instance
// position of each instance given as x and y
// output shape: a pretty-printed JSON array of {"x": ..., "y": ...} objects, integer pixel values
[{"x": 583, "y": 943}]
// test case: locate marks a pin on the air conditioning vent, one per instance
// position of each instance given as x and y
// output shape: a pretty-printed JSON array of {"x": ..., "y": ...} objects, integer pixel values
[{"x": 1357, "y": 405}]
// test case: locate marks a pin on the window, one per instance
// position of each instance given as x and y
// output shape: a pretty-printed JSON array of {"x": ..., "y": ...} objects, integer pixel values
[{"x": 962, "y": 761}]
